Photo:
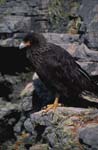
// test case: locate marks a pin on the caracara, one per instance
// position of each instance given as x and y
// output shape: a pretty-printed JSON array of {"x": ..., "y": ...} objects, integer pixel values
[{"x": 56, "y": 68}]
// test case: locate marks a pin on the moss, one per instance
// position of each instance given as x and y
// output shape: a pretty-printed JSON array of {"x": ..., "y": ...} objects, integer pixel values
[
  {"x": 2, "y": 2},
  {"x": 56, "y": 12},
  {"x": 59, "y": 11}
]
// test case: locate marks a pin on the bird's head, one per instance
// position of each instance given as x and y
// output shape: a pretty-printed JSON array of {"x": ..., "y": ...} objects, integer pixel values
[{"x": 31, "y": 39}]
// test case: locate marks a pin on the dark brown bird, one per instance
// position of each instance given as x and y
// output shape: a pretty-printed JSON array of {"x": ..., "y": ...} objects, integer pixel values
[{"x": 56, "y": 68}]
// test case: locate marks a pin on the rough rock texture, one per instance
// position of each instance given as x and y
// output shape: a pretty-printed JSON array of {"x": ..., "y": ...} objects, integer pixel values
[
  {"x": 89, "y": 11},
  {"x": 21, "y": 16},
  {"x": 22, "y": 126},
  {"x": 88, "y": 137},
  {"x": 65, "y": 129},
  {"x": 91, "y": 40}
]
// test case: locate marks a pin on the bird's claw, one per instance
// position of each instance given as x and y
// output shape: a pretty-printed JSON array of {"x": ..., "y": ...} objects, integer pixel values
[{"x": 51, "y": 107}]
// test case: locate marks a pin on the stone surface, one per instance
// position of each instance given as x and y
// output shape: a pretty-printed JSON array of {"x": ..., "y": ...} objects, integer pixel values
[
  {"x": 88, "y": 136},
  {"x": 21, "y": 16},
  {"x": 60, "y": 129},
  {"x": 89, "y": 13},
  {"x": 40, "y": 146},
  {"x": 91, "y": 40},
  {"x": 87, "y": 59}
]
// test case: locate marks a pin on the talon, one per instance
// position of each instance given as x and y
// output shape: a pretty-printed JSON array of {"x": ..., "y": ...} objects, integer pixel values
[{"x": 52, "y": 106}]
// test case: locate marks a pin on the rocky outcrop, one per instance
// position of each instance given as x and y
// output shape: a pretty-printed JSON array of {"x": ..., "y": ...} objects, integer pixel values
[
  {"x": 21, "y": 16},
  {"x": 66, "y": 128},
  {"x": 28, "y": 127}
]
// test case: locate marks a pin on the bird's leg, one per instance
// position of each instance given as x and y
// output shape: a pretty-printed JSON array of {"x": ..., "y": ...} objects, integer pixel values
[{"x": 54, "y": 105}]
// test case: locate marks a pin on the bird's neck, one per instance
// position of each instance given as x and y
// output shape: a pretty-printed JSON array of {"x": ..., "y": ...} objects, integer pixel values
[{"x": 35, "y": 56}]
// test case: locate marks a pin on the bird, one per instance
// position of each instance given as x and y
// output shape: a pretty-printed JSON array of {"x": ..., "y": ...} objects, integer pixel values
[{"x": 56, "y": 68}]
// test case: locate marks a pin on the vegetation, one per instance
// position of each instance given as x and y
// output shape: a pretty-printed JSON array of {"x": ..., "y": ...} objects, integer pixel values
[
  {"x": 56, "y": 13},
  {"x": 59, "y": 11},
  {"x": 2, "y": 1}
]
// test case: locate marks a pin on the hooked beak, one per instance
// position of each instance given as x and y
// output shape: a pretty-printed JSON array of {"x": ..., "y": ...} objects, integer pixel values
[{"x": 22, "y": 45}]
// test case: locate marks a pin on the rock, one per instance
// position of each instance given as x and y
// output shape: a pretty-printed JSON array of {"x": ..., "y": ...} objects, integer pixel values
[
  {"x": 8, "y": 118},
  {"x": 87, "y": 59},
  {"x": 19, "y": 124},
  {"x": 54, "y": 127},
  {"x": 91, "y": 40},
  {"x": 20, "y": 16},
  {"x": 83, "y": 53},
  {"x": 89, "y": 13},
  {"x": 88, "y": 136},
  {"x": 6, "y": 88},
  {"x": 27, "y": 103},
  {"x": 12, "y": 81},
  {"x": 28, "y": 125},
  {"x": 39, "y": 146},
  {"x": 7, "y": 108}
]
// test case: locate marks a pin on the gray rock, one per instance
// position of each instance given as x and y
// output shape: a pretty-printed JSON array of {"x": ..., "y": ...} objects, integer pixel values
[
  {"x": 21, "y": 16},
  {"x": 89, "y": 13},
  {"x": 7, "y": 108},
  {"x": 88, "y": 136},
  {"x": 87, "y": 59},
  {"x": 18, "y": 126},
  {"x": 83, "y": 53},
  {"x": 91, "y": 40},
  {"x": 27, "y": 103},
  {"x": 53, "y": 127},
  {"x": 28, "y": 125},
  {"x": 39, "y": 146}
]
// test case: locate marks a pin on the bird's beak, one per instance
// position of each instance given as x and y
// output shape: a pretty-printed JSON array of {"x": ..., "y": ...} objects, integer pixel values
[{"x": 22, "y": 45}]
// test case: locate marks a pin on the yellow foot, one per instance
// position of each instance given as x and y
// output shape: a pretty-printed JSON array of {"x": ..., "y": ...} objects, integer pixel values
[{"x": 51, "y": 107}]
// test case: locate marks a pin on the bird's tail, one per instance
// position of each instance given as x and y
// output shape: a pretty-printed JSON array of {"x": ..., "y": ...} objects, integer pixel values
[
  {"x": 91, "y": 94},
  {"x": 91, "y": 85},
  {"x": 95, "y": 88}
]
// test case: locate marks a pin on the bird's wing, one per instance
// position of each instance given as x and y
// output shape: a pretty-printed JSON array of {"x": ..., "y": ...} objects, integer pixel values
[{"x": 61, "y": 68}]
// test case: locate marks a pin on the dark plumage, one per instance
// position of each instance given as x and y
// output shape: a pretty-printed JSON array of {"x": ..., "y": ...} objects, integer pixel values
[{"x": 56, "y": 67}]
